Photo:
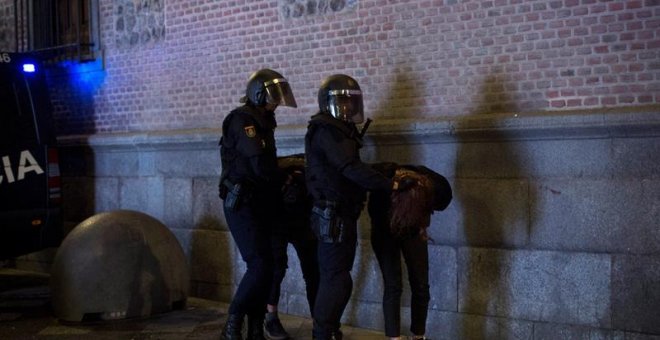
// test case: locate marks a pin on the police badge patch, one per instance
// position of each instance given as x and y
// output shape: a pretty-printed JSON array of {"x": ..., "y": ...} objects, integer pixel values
[{"x": 250, "y": 131}]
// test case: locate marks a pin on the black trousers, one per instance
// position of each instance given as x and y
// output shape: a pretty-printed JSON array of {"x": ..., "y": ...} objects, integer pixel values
[
  {"x": 336, "y": 284},
  {"x": 415, "y": 252},
  {"x": 304, "y": 242},
  {"x": 251, "y": 231}
]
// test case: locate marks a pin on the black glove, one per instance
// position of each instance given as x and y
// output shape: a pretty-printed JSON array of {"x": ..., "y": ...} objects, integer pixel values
[
  {"x": 406, "y": 183},
  {"x": 293, "y": 190}
]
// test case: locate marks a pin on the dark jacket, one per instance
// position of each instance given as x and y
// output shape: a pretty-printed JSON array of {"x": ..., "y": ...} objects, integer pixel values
[
  {"x": 247, "y": 149},
  {"x": 333, "y": 169}
]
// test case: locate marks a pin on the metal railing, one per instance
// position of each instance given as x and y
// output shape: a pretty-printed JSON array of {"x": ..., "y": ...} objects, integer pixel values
[{"x": 59, "y": 30}]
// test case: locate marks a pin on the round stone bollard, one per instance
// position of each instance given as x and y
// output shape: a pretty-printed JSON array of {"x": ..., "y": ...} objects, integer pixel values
[{"x": 117, "y": 265}]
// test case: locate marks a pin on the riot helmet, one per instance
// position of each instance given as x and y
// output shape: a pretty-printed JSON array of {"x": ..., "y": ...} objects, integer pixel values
[
  {"x": 340, "y": 96},
  {"x": 268, "y": 87}
]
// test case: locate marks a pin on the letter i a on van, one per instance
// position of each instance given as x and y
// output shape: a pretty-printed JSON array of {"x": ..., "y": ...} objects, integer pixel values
[{"x": 30, "y": 198}]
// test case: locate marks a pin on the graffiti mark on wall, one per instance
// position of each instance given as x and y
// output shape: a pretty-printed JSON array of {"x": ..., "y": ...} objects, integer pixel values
[
  {"x": 138, "y": 22},
  {"x": 309, "y": 8}
]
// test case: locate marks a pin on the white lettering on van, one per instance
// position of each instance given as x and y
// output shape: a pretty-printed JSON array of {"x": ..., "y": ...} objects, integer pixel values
[
  {"x": 8, "y": 171},
  {"x": 26, "y": 163}
]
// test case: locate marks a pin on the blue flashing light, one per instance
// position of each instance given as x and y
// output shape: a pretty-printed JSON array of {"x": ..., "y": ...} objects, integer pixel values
[{"x": 29, "y": 68}]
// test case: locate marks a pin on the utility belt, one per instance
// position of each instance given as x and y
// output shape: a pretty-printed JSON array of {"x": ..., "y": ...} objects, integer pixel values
[{"x": 326, "y": 222}]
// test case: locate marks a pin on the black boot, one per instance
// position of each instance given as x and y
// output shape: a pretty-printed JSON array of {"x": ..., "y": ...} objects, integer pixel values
[
  {"x": 256, "y": 327},
  {"x": 233, "y": 327},
  {"x": 273, "y": 327}
]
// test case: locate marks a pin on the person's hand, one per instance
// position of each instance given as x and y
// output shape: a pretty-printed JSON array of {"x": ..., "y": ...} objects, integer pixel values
[
  {"x": 386, "y": 168},
  {"x": 405, "y": 183}
]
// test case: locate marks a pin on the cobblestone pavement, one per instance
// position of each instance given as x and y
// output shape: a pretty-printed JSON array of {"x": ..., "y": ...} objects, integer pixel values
[{"x": 25, "y": 313}]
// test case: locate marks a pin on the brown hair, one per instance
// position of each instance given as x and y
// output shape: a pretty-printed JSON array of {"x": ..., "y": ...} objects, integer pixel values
[{"x": 410, "y": 210}]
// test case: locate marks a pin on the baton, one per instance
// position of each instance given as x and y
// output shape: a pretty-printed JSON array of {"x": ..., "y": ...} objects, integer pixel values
[{"x": 365, "y": 127}]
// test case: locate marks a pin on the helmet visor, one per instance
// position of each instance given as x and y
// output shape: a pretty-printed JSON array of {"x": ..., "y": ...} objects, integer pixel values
[
  {"x": 279, "y": 92},
  {"x": 346, "y": 105}
]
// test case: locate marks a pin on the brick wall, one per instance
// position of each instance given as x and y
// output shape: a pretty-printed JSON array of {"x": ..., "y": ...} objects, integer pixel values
[{"x": 186, "y": 62}]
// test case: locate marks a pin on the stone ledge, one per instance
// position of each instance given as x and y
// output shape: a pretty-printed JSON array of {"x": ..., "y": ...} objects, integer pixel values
[{"x": 604, "y": 123}]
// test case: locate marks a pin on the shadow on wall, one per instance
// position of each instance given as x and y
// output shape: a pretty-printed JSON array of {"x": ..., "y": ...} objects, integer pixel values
[
  {"x": 77, "y": 166},
  {"x": 394, "y": 108},
  {"x": 494, "y": 194},
  {"x": 72, "y": 89},
  {"x": 211, "y": 252}
]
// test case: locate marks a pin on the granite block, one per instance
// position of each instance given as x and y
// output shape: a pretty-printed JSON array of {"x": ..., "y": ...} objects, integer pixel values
[
  {"x": 485, "y": 213},
  {"x": 178, "y": 202},
  {"x": 207, "y": 206},
  {"x": 562, "y": 287},
  {"x": 144, "y": 194},
  {"x": 636, "y": 293},
  {"x": 552, "y": 331},
  {"x": 115, "y": 164},
  {"x": 442, "y": 278},
  {"x": 468, "y": 326},
  {"x": 188, "y": 163},
  {"x": 597, "y": 215},
  {"x": 212, "y": 256}
]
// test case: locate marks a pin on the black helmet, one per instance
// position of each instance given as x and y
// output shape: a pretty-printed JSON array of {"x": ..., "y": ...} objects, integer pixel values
[
  {"x": 340, "y": 96},
  {"x": 267, "y": 86}
]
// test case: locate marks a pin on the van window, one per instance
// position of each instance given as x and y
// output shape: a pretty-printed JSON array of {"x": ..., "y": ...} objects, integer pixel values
[
  {"x": 25, "y": 112},
  {"x": 17, "y": 121}
]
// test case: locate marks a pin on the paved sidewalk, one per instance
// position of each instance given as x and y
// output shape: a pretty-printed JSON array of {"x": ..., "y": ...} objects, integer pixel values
[
  {"x": 25, "y": 313},
  {"x": 202, "y": 319}
]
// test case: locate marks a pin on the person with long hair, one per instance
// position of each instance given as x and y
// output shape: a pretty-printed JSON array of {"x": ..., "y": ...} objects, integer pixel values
[{"x": 399, "y": 222}]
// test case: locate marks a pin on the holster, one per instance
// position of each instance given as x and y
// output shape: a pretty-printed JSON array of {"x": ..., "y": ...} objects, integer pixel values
[
  {"x": 235, "y": 194},
  {"x": 326, "y": 224}
]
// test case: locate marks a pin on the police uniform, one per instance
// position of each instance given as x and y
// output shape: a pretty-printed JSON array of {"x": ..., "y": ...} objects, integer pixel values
[
  {"x": 336, "y": 177},
  {"x": 249, "y": 159},
  {"x": 249, "y": 186}
]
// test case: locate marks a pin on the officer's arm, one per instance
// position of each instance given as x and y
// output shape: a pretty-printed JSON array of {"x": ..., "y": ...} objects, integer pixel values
[
  {"x": 265, "y": 169},
  {"x": 250, "y": 145},
  {"x": 342, "y": 153}
]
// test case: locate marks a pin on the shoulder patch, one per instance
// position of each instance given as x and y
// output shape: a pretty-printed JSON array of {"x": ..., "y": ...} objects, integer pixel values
[{"x": 250, "y": 131}]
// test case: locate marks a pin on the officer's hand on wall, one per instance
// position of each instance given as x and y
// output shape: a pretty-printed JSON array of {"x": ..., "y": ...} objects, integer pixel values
[{"x": 405, "y": 183}]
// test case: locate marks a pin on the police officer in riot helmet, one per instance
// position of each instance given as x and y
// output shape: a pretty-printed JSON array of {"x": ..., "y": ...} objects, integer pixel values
[
  {"x": 250, "y": 188},
  {"x": 338, "y": 181}
]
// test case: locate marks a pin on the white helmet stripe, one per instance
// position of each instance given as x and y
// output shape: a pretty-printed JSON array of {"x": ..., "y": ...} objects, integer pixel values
[{"x": 345, "y": 92}]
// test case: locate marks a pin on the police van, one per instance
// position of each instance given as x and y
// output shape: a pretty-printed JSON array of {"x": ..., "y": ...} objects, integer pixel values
[{"x": 30, "y": 198}]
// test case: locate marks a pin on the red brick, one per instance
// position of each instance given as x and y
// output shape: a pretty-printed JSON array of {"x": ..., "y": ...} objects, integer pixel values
[
  {"x": 557, "y": 103},
  {"x": 591, "y": 48}
]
